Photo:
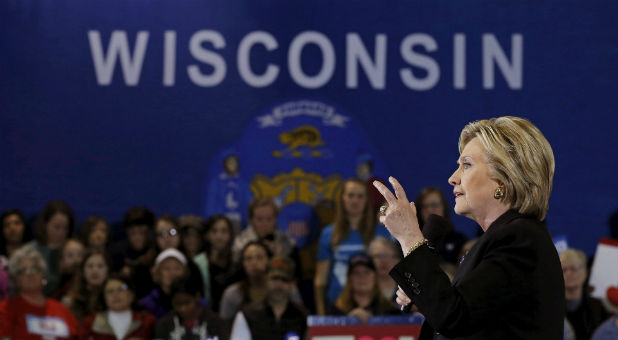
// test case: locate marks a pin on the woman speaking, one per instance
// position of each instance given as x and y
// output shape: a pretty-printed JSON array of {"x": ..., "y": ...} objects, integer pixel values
[{"x": 510, "y": 284}]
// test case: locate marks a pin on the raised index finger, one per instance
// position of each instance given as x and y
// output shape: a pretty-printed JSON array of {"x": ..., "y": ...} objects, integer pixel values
[
  {"x": 401, "y": 194},
  {"x": 388, "y": 195}
]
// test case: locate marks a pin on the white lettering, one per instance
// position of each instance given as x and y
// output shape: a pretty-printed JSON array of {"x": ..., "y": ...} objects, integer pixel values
[
  {"x": 205, "y": 56},
  {"x": 328, "y": 59},
  {"x": 243, "y": 60},
  {"x": 415, "y": 59},
  {"x": 459, "y": 61},
  {"x": 118, "y": 45},
  {"x": 169, "y": 58},
  {"x": 357, "y": 53},
  {"x": 513, "y": 72}
]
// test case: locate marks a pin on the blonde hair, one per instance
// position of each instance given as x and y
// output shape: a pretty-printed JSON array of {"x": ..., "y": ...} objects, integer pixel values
[
  {"x": 575, "y": 255},
  {"x": 519, "y": 157}
]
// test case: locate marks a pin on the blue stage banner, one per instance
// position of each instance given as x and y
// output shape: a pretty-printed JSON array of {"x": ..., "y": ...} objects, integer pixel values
[{"x": 111, "y": 104}]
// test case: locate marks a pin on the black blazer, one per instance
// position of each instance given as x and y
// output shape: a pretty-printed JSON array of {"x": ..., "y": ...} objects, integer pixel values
[{"x": 508, "y": 286}]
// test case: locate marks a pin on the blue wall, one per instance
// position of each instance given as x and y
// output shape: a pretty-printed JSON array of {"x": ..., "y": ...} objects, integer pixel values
[{"x": 148, "y": 137}]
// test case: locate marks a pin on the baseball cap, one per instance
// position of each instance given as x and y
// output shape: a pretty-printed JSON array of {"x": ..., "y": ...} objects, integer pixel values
[
  {"x": 360, "y": 259},
  {"x": 281, "y": 267},
  {"x": 173, "y": 253}
]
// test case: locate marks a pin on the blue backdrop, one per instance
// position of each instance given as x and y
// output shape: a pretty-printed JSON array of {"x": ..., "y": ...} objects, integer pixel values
[{"x": 109, "y": 104}]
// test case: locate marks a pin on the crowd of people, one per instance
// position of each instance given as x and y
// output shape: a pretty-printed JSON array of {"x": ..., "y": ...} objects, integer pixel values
[{"x": 193, "y": 278}]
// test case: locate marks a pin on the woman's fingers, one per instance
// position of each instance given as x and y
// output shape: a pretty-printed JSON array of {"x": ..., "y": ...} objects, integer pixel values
[
  {"x": 388, "y": 195},
  {"x": 402, "y": 298},
  {"x": 401, "y": 194}
]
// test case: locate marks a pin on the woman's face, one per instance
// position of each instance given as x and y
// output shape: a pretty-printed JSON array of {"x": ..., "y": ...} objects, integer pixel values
[
  {"x": 354, "y": 198},
  {"x": 72, "y": 256},
  {"x": 384, "y": 259},
  {"x": 118, "y": 297},
  {"x": 57, "y": 230},
  {"x": 13, "y": 229},
  {"x": 255, "y": 261},
  {"x": 264, "y": 220},
  {"x": 432, "y": 204},
  {"x": 29, "y": 277},
  {"x": 219, "y": 235},
  {"x": 362, "y": 279},
  {"x": 167, "y": 235},
  {"x": 95, "y": 270},
  {"x": 192, "y": 240},
  {"x": 574, "y": 273},
  {"x": 98, "y": 236},
  {"x": 473, "y": 188},
  {"x": 170, "y": 270}
]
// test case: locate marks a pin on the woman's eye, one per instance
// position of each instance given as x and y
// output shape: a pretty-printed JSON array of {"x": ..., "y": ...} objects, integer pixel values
[{"x": 466, "y": 165}]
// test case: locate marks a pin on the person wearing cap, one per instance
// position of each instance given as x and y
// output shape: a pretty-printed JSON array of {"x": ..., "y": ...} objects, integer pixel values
[
  {"x": 169, "y": 265},
  {"x": 276, "y": 317},
  {"x": 361, "y": 295}
]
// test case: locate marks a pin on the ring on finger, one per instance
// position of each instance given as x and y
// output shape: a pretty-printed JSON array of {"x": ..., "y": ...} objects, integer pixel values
[{"x": 383, "y": 208}]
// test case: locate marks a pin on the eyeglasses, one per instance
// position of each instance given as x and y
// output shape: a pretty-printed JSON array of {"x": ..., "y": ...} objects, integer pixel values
[
  {"x": 29, "y": 271},
  {"x": 571, "y": 268},
  {"x": 170, "y": 233}
]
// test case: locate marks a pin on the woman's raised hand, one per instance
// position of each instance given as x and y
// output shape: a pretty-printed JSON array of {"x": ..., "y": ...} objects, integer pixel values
[{"x": 400, "y": 216}]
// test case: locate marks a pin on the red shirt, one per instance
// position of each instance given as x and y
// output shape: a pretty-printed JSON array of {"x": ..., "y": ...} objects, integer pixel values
[{"x": 20, "y": 319}]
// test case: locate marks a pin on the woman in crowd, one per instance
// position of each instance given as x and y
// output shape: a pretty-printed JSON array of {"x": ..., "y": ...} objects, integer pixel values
[
  {"x": 353, "y": 229},
  {"x": 219, "y": 237},
  {"x": 30, "y": 315},
  {"x": 53, "y": 227},
  {"x": 167, "y": 233},
  {"x": 188, "y": 319},
  {"x": 584, "y": 312},
  {"x": 14, "y": 231},
  {"x": 95, "y": 233},
  {"x": 71, "y": 257},
  {"x": 361, "y": 296},
  {"x": 83, "y": 298},
  {"x": 510, "y": 284},
  {"x": 192, "y": 244},
  {"x": 120, "y": 318},
  {"x": 429, "y": 201},
  {"x": 170, "y": 264},
  {"x": 254, "y": 261},
  {"x": 385, "y": 254}
]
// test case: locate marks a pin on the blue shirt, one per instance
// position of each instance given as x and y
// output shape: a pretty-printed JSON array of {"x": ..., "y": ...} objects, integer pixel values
[{"x": 340, "y": 255}]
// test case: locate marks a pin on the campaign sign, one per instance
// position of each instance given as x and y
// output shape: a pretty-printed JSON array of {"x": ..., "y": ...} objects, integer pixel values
[
  {"x": 604, "y": 272},
  {"x": 377, "y": 328}
]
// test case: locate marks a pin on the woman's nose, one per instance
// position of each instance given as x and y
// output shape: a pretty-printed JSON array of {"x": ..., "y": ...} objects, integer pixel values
[{"x": 454, "y": 179}]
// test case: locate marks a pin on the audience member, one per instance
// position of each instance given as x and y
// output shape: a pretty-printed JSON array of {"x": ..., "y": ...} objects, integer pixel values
[
  {"x": 120, "y": 318},
  {"x": 385, "y": 254},
  {"x": 71, "y": 257},
  {"x": 263, "y": 227},
  {"x": 84, "y": 297},
  {"x": 430, "y": 201},
  {"x": 361, "y": 296},
  {"x": 169, "y": 265},
  {"x": 191, "y": 235},
  {"x": 135, "y": 255},
  {"x": 584, "y": 312},
  {"x": 53, "y": 226},
  {"x": 189, "y": 320},
  {"x": 95, "y": 233},
  {"x": 30, "y": 315},
  {"x": 277, "y": 316},
  {"x": 167, "y": 232},
  {"x": 215, "y": 261},
  {"x": 354, "y": 227},
  {"x": 14, "y": 231},
  {"x": 607, "y": 330},
  {"x": 252, "y": 288}
]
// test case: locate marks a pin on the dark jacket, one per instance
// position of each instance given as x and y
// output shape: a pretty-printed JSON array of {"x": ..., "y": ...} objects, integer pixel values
[
  {"x": 509, "y": 285},
  {"x": 589, "y": 315},
  {"x": 263, "y": 325}
]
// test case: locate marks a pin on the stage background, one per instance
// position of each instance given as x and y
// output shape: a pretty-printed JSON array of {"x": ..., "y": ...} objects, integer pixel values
[{"x": 105, "y": 139}]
